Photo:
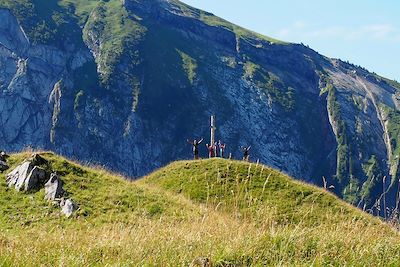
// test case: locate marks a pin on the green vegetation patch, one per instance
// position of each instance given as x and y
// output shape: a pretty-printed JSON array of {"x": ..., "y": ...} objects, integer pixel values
[
  {"x": 118, "y": 35},
  {"x": 239, "y": 31},
  {"x": 374, "y": 180},
  {"x": 280, "y": 93},
  {"x": 393, "y": 127},
  {"x": 244, "y": 189},
  {"x": 81, "y": 8},
  {"x": 189, "y": 65},
  {"x": 343, "y": 150},
  {"x": 46, "y": 22},
  {"x": 213, "y": 20}
]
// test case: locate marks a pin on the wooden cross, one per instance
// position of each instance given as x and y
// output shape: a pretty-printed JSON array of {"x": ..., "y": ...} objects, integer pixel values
[{"x": 213, "y": 128}]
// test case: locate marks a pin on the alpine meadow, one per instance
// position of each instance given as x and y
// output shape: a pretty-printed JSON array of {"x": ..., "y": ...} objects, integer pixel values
[{"x": 109, "y": 156}]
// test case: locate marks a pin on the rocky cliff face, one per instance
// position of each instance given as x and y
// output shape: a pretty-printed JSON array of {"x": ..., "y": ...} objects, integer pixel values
[{"x": 130, "y": 81}]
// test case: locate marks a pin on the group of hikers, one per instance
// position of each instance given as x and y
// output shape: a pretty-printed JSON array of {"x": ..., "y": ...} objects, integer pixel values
[{"x": 216, "y": 150}]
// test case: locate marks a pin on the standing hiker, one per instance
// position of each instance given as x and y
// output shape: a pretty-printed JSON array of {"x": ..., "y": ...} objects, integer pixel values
[
  {"x": 195, "y": 145},
  {"x": 221, "y": 149},
  {"x": 211, "y": 150},
  {"x": 246, "y": 153},
  {"x": 216, "y": 149}
]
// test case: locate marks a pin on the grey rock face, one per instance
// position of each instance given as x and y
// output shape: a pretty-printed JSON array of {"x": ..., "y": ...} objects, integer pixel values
[
  {"x": 12, "y": 36},
  {"x": 54, "y": 188}
]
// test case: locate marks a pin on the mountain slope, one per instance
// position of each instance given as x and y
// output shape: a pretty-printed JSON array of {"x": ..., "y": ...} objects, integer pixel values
[
  {"x": 125, "y": 83},
  {"x": 167, "y": 219}
]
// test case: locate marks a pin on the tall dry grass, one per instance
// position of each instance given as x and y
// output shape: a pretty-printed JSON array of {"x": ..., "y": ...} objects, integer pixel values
[{"x": 220, "y": 237}]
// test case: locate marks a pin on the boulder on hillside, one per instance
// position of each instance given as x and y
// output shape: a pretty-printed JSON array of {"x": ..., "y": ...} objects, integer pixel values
[
  {"x": 35, "y": 179},
  {"x": 67, "y": 207},
  {"x": 3, "y": 156},
  {"x": 26, "y": 177},
  {"x": 54, "y": 188},
  {"x": 16, "y": 178},
  {"x": 3, "y": 161},
  {"x": 29, "y": 176},
  {"x": 3, "y": 166}
]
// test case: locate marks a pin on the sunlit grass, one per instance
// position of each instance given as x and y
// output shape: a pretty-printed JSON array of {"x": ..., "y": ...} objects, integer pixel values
[{"x": 228, "y": 211}]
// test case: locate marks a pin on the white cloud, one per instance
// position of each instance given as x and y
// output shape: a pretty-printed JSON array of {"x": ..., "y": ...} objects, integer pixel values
[
  {"x": 299, "y": 24},
  {"x": 333, "y": 31},
  {"x": 376, "y": 32},
  {"x": 379, "y": 31}
]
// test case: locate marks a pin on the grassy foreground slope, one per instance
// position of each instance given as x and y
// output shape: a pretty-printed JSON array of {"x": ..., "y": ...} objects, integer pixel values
[{"x": 232, "y": 212}]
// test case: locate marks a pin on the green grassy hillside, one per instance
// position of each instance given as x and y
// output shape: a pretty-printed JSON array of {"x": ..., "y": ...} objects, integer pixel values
[
  {"x": 234, "y": 213},
  {"x": 250, "y": 190}
]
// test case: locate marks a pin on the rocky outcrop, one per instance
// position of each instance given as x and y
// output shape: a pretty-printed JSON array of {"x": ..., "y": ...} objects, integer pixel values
[
  {"x": 3, "y": 161},
  {"x": 29, "y": 176},
  {"x": 3, "y": 166},
  {"x": 35, "y": 179},
  {"x": 55, "y": 193},
  {"x": 3, "y": 156},
  {"x": 54, "y": 188},
  {"x": 18, "y": 178}
]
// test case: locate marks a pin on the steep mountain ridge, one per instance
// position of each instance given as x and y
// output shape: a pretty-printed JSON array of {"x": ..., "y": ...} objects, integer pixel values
[{"x": 125, "y": 83}]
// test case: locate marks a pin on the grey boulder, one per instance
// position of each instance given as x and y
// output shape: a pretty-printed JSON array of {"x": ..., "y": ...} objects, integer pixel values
[
  {"x": 17, "y": 177},
  {"x": 53, "y": 188},
  {"x": 26, "y": 177},
  {"x": 35, "y": 179},
  {"x": 67, "y": 207},
  {"x": 3, "y": 156},
  {"x": 3, "y": 161},
  {"x": 3, "y": 166}
]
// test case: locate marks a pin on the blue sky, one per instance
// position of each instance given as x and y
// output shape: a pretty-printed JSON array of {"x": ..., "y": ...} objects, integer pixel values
[{"x": 366, "y": 33}]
